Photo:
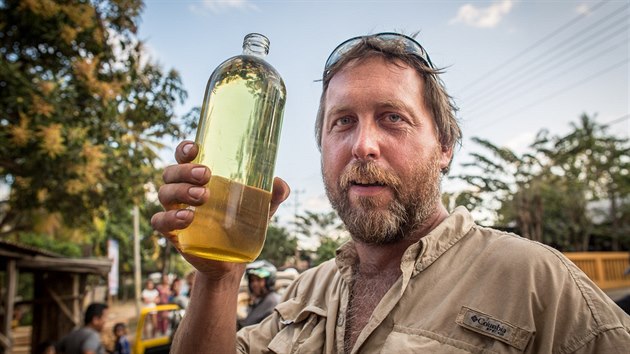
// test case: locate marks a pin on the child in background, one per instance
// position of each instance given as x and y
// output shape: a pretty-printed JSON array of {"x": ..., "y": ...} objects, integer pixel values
[{"x": 122, "y": 343}]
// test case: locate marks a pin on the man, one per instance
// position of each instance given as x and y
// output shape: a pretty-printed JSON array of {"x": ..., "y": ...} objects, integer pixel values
[
  {"x": 87, "y": 339},
  {"x": 261, "y": 279},
  {"x": 413, "y": 278}
]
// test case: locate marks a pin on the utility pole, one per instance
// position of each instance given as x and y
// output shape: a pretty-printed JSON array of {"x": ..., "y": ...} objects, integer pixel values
[
  {"x": 296, "y": 205},
  {"x": 136, "y": 257}
]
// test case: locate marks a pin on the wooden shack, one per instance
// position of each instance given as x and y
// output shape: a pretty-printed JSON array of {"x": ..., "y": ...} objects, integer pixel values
[{"x": 59, "y": 290}]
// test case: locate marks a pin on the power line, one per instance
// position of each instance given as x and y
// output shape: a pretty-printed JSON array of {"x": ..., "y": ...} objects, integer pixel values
[
  {"x": 535, "y": 45},
  {"x": 521, "y": 75},
  {"x": 617, "y": 120},
  {"x": 524, "y": 88},
  {"x": 576, "y": 41},
  {"x": 556, "y": 93}
]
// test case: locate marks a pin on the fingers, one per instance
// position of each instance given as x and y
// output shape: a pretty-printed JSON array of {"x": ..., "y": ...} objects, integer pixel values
[
  {"x": 279, "y": 193},
  {"x": 186, "y": 151},
  {"x": 166, "y": 222},
  {"x": 172, "y": 195},
  {"x": 184, "y": 184},
  {"x": 188, "y": 173}
]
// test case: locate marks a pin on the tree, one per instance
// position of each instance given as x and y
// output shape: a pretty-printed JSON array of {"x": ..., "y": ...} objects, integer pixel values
[
  {"x": 324, "y": 229},
  {"x": 507, "y": 185},
  {"x": 279, "y": 245},
  {"x": 83, "y": 112},
  {"x": 600, "y": 162},
  {"x": 562, "y": 191},
  {"x": 328, "y": 248}
]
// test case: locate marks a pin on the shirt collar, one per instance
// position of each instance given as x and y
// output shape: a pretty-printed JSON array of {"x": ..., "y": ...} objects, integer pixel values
[{"x": 421, "y": 254}]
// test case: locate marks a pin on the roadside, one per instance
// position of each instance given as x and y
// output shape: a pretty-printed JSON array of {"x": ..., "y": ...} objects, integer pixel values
[{"x": 124, "y": 312}]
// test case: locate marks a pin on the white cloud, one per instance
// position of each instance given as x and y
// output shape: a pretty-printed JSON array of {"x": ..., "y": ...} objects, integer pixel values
[
  {"x": 583, "y": 9},
  {"x": 483, "y": 17},
  {"x": 222, "y": 6}
]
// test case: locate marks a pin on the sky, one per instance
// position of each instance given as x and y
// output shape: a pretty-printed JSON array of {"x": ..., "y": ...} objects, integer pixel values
[{"x": 513, "y": 67}]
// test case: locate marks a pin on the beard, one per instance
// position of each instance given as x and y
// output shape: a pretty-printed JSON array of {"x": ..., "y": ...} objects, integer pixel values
[{"x": 413, "y": 201}]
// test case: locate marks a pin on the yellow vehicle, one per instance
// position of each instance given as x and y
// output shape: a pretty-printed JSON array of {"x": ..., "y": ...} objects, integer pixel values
[{"x": 156, "y": 327}]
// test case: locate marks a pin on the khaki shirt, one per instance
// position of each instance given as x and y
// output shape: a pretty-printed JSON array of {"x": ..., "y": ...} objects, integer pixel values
[{"x": 463, "y": 289}]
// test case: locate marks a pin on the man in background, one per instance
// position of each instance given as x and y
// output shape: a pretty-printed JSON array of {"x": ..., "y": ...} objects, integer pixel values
[
  {"x": 261, "y": 279},
  {"x": 87, "y": 339}
]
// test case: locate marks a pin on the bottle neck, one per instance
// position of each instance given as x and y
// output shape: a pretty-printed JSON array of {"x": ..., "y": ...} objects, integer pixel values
[{"x": 256, "y": 44}]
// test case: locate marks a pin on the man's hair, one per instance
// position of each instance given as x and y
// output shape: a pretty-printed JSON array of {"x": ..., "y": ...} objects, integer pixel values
[
  {"x": 94, "y": 310},
  {"x": 437, "y": 100}
]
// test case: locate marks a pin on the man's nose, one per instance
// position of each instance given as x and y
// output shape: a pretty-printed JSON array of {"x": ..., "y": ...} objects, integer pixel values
[{"x": 366, "y": 143}]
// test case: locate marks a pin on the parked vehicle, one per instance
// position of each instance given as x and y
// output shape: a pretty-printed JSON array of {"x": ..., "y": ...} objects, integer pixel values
[{"x": 156, "y": 327}]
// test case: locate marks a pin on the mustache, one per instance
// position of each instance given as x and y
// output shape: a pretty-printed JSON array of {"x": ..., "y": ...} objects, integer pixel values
[{"x": 368, "y": 172}]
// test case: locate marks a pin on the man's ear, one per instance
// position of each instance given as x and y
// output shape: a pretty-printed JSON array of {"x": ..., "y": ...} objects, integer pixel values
[{"x": 446, "y": 155}]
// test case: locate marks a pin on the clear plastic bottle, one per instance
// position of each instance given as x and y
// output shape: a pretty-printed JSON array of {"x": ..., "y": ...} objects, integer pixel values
[{"x": 238, "y": 135}]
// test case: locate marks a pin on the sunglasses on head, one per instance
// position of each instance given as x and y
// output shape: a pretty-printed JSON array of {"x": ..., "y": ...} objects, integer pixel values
[{"x": 410, "y": 44}]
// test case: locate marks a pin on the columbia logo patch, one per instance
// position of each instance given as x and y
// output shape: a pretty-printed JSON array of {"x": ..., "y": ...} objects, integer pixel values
[{"x": 492, "y": 327}]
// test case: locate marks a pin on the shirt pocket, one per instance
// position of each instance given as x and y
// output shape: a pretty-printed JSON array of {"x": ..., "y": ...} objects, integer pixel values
[
  {"x": 303, "y": 329},
  {"x": 403, "y": 340}
]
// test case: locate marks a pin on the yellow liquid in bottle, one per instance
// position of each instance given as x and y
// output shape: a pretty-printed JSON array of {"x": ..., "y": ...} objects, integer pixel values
[
  {"x": 238, "y": 133},
  {"x": 230, "y": 226}
]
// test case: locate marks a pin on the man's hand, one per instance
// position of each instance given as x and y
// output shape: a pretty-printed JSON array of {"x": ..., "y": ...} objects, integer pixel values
[{"x": 184, "y": 184}]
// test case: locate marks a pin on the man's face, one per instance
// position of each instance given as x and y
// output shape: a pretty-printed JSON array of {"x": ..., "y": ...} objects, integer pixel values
[
  {"x": 257, "y": 285},
  {"x": 381, "y": 159},
  {"x": 99, "y": 322}
]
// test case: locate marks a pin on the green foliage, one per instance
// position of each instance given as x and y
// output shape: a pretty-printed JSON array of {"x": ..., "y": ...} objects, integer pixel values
[
  {"x": 64, "y": 248},
  {"x": 566, "y": 189},
  {"x": 324, "y": 228},
  {"x": 316, "y": 226},
  {"x": 82, "y": 113},
  {"x": 327, "y": 248},
  {"x": 279, "y": 245}
]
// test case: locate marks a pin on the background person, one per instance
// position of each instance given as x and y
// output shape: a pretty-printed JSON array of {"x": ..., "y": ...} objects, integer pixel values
[
  {"x": 164, "y": 291},
  {"x": 177, "y": 296},
  {"x": 150, "y": 297},
  {"x": 87, "y": 339},
  {"x": 261, "y": 279},
  {"x": 122, "y": 345}
]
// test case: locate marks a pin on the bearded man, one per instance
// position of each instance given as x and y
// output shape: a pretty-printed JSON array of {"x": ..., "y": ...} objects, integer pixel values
[{"x": 414, "y": 278}]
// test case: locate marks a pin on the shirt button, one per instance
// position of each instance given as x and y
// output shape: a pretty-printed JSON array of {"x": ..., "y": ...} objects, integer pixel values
[{"x": 340, "y": 320}]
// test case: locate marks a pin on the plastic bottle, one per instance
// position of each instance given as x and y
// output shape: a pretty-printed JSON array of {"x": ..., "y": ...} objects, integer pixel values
[{"x": 238, "y": 135}]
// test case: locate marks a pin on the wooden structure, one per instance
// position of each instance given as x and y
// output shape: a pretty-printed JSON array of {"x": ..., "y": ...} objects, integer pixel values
[
  {"x": 607, "y": 269},
  {"x": 59, "y": 288}
]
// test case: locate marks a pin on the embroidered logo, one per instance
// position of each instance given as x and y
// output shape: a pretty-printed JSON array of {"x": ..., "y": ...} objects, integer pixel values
[
  {"x": 492, "y": 327},
  {"x": 488, "y": 325}
]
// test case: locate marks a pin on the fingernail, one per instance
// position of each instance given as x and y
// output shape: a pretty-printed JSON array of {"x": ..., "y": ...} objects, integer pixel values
[
  {"x": 198, "y": 172},
  {"x": 182, "y": 214},
  {"x": 196, "y": 192},
  {"x": 186, "y": 148}
]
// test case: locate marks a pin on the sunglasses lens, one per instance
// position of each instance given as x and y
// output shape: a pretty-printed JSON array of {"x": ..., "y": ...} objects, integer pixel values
[
  {"x": 411, "y": 46},
  {"x": 342, "y": 49}
]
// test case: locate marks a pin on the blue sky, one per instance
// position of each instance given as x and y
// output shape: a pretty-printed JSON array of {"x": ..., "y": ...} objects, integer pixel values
[{"x": 514, "y": 67}]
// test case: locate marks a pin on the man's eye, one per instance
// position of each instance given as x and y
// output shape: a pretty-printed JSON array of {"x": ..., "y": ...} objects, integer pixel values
[
  {"x": 393, "y": 117},
  {"x": 343, "y": 121}
]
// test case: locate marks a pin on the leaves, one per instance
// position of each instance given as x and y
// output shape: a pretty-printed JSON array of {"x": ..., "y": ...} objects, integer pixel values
[
  {"x": 561, "y": 191},
  {"x": 279, "y": 245},
  {"x": 83, "y": 111}
]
